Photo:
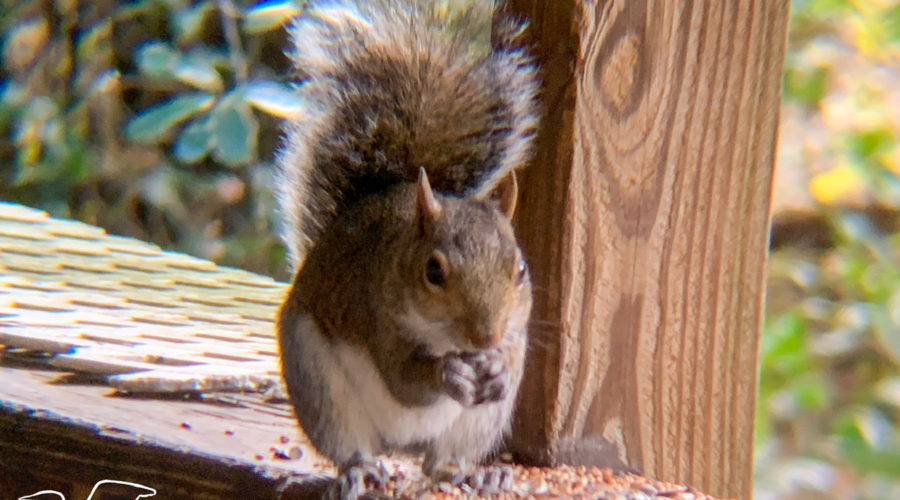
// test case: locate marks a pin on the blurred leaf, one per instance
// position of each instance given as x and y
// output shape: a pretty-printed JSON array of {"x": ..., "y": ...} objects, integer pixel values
[
  {"x": 806, "y": 86},
  {"x": 839, "y": 342},
  {"x": 892, "y": 19},
  {"x": 94, "y": 40},
  {"x": 887, "y": 333},
  {"x": 889, "y": 196},
  {"x": 820, "y": 8},
  {"x": 783, "y": 344},
  {"x": 874, "y": 428},
  {"x": 801, "y": 473},
  {"x": 818, "y": 308},
  {"x": 152, "y": 124},
  {"x": 837, "y": 185},
  {"x": 860, "y": 454},
  {"x": 136, "y": 8},
  {"x": 235, "y": 130},
  {"x": 805, "y": 274},
  {"x": 274, "y": 98},
  {"x": 12, "y": 93},
  {"x": 268, "y": 15},
  {"x": 197, "y": 69},
  {"x": 856, "y": 227},
  {"x": 157, "y": 59},
  {"x": 878, "y": 282},
  {"x": 31, "y": 128},
  {"x": 107, "y": 81},
  {"x": 894, "y": 308},
  {"x": 189, "y": 21},
  {"x": 194, "y": 142},
  {"x": 890, "y": 158},
  {"x": 870, "y": 142},
  {"x": 161, "y": 187},
  {"x": 24, "y": 41},
  {"x": 889, "y": 390},
  {"x": 810, "y": 393}
]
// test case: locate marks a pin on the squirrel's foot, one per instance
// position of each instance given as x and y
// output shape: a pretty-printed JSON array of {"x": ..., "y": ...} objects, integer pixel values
[
  {"x": 489, "y": 480},
  {"x": 357, "y": 476},
  {"x": 475, "y": 378}
]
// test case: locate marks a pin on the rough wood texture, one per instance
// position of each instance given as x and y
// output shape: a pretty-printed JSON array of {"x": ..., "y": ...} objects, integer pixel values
[
  {"x": 645, "y": 218},
  {"x": 65, "y": 434}
]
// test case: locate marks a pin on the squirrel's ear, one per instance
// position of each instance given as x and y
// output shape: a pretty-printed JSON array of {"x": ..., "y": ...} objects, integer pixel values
[
  {"x": 507, "y": 193},
  {"x": 428, "y": 208}
]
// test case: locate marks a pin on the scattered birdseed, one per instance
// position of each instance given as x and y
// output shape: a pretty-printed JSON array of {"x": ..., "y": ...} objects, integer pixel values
[{"x": 543, "y": 482}]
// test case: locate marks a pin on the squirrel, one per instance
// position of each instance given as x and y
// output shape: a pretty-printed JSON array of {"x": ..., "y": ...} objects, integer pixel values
[{"x": 404, "y": 329}]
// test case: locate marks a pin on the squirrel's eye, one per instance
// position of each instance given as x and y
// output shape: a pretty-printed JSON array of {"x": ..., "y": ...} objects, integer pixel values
[
  {"x": 521, "y": 271},
  {"x": 434, "y": 271}
]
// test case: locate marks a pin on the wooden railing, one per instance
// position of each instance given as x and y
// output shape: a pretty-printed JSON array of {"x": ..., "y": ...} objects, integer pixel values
[{"x": 645, "y": 219}]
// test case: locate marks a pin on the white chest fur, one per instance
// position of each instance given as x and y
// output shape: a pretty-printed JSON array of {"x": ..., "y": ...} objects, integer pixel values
[{"x": 364, "y": 408}]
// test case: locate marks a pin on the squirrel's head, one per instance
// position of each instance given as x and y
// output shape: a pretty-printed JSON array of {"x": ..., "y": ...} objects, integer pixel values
[{"x": 470, "y": 278}]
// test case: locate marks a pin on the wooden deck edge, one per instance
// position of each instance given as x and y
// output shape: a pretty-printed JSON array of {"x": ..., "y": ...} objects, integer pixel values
[{"x": 46, "y": 453}]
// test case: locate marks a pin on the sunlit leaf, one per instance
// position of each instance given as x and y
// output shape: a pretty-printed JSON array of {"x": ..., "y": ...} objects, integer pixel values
[
  {"x": 891, "y": 158},
  {"x": 268, "y": 15},
  {"x": 154, "y": 123},
  {"x": 889, "y": 390},
  {"x": 840, "y": 184},
  {"x": 157, "y": 59},
  {"x": 197, "y": 70},
  {"x": 190, "y": 20},
  {"x": 784, "y": 345},
  {"x": 871, "y": 141},
  {"x": 874, "y": 427},
  {"x": 887, "y": 333},
  {"x": 275, "y": 99},
  {"x": 235, "y": 130},
  {"x": 24, "y": 41},
  {"x": 95, "y": 40},
  {"x": 134, "y": 9}
]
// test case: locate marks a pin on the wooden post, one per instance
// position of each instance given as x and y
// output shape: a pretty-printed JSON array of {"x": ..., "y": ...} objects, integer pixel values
[{"x": 645, "y": 218}]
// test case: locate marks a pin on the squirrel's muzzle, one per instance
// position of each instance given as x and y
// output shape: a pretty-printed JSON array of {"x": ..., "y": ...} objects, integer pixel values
[{"x": 483, "y": 336}]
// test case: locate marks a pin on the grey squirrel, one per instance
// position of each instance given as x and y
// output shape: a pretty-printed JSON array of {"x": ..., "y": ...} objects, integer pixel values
[{"x": 405, "y": 327}]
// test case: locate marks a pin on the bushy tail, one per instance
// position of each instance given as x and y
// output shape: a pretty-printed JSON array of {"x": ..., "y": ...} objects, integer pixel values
[{"x": 392, "y": 85}]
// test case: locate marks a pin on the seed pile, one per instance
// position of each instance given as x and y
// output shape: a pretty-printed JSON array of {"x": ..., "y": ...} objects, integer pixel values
[{"x": 545, "y": 482}]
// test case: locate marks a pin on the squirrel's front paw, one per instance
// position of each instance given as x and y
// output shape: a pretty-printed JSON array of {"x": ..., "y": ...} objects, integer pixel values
[{"x": 475, "y": 378}]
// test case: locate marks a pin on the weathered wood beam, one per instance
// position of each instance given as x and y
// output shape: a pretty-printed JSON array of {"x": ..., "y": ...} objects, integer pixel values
[{"x": 645, "y": 218}]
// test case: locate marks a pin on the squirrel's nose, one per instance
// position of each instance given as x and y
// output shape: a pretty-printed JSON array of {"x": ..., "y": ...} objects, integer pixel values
[{"x": 483, "y": 336}]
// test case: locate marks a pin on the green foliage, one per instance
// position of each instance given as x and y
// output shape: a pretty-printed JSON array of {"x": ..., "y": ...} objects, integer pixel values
[
  {"x": 829, "y": 405},
  {"x": 152, "y": 125},
  {"x": 153, "y": 96}
]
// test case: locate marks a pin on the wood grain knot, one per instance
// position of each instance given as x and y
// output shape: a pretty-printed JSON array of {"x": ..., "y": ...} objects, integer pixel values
[{"x": 618, "y": 78}]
